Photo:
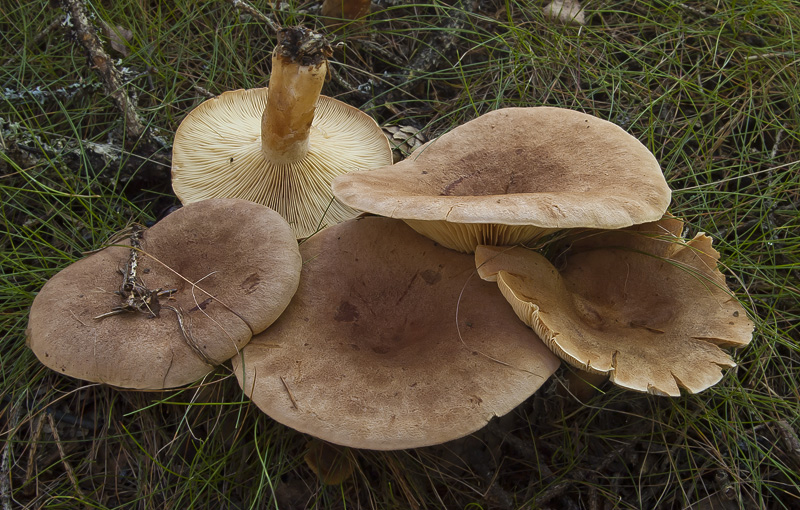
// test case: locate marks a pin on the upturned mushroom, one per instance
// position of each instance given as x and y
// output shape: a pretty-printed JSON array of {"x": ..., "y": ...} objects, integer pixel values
[
  {"x": 281, "y": 146},
  {"x": 391, "y": 342},
  {"x": 642, "y": 305},
  {"x": 162, "y": 308},
  {"x": 513, "y": 175}
]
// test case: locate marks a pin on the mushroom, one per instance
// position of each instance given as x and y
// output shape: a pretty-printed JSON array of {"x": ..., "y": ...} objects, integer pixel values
[
  {"x": 227, "y": 267},
  {"x": 391, "y": 342},
  {"x": 336, "y": 10},
  {"x": 580, "y": 385},
  {"x": 513, "y": 175},
  {"x": 332, "y": 464},
  {"x": 282, "y": 146},
  {"x": 641, "y": 304}
]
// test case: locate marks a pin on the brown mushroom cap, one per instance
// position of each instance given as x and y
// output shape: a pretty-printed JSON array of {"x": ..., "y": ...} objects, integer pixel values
[
  {"x": 368, "y": 353},
  {"x": 641, "y": 305},
  {"x": 536, "y": 169},
  {"x": 333, "y": 11},
  {"x": 218, "y": 153},
  {"x": 243, "y": 254},
  {"x": 566, "y": 11}
]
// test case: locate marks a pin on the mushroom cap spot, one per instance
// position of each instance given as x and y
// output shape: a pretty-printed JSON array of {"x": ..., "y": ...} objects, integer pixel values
[
  {"x": 243, "y": 254},
  {"x": 218, "y": 153},
  {"x": 368, "y": 354},
  {"x": 548, "y": 167},
  {"x": 640, "y": 304}
]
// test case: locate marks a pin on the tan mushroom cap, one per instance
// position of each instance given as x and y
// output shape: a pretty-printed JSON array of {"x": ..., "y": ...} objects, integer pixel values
[
  {"x": 218, "y": 153},
  {"x": 642, "y": 305},
  {"x": 368, "y": 354},
  {"x": 514, "y": 174},
  {"x": 243, "y": 254}
]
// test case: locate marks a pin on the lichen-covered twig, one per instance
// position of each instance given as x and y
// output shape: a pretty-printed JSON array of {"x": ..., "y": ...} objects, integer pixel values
[
  {"x": 136, "y": 297},
  {"x": 101, "y": 62}
]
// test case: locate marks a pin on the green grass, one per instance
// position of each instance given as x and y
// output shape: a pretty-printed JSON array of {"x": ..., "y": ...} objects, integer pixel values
[{"x": 710, "y": 88}]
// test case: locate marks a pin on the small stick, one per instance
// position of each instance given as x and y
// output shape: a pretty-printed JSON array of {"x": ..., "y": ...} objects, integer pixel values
[
  {"x": 64, "y": 461},
  {"x": 37, "y": 433},
  {"x": 189, "y": 339},
  {"x": 102, "y": 63},
  {"x": 289, "y": 392},
  {"x": 342, "y": 82},
  {"x": 137, "y": 297},
  {"x": 77, "y": 319},
  {"x": 245, "y": 7},
  {"x": 205, "y": 92},
  {"x": 790, "y": 439},
  {"x": 5, "y": 471}
]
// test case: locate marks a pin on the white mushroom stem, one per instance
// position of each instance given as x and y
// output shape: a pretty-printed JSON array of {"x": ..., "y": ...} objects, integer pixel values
[{"x": 299, "y": 69}]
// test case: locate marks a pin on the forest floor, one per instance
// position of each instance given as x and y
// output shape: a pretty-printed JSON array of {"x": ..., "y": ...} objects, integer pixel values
[{"x": 711, "y": 88}]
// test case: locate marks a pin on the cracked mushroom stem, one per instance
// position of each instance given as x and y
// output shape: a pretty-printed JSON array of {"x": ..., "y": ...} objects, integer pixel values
[{"x": 294, "y": 89}]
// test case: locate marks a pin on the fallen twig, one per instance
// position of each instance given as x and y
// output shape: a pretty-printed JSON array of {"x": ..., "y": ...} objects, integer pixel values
[
  {"x": 189, "y": 339},
  {"x": 34, "y": 442},
  {"x": 289, "y": 392},
  {"x": 136, "y": 296},
  {"x": 245, "y": 7},
  {"x": 349, "y": 87},
  {"x": 786, "y": 434},
  {"x": 42, "y": 96},
  {"x": 101, "y": 62},
  {"x": 27, "y": 150},
  {"x": 5, "y": 470},
  {"x": 64, "y": 461}
]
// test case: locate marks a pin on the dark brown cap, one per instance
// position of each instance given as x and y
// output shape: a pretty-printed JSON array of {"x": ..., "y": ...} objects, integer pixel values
[{"x": 391, "y": 342}]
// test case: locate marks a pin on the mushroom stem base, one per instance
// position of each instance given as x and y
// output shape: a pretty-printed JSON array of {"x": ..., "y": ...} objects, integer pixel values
[{"x": 294, "y": 88}]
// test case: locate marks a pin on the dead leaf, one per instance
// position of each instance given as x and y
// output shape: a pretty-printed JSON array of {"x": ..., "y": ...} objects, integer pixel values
[{"x": 118, "y": 37}]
